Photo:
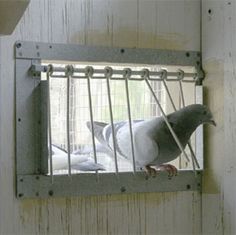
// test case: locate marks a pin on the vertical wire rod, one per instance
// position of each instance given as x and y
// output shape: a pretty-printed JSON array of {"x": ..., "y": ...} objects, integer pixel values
[
  {"x": 68, "y": 75},
  {"x": 130, "y": 121},
  {"x": 49, "y": 123},
  {"x": 166, "y": 120},
  {"x": 173, "y": 105},
  {"x": 181, "y": 75},
  {"x": 89, "y": 73},
  {"x": 194, "y": 159},
  {"x": 108, "y": 76}
]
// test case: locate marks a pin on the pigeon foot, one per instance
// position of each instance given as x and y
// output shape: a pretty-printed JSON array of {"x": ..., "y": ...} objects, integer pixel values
[
  {"x": 150, "y": 171},
  {"x": 172, "y": 170}
]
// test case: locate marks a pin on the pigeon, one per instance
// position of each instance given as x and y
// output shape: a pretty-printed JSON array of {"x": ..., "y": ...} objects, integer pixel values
[
  {"x": 78, "y": 162},
  {"x": 154, "y": 145}
]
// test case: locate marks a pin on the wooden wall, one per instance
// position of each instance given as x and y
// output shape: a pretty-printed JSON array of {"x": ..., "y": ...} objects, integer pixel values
[
  {"x": 133, "y": 23},
  {"x": 219, "y": 60}
]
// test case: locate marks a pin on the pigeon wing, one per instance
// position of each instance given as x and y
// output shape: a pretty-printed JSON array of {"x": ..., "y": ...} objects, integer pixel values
[{"x": 98, "y": 133}]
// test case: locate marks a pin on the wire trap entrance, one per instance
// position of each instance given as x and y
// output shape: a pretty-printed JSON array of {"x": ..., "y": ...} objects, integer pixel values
[
  {"x": 81, "y": 107},
  {"x": 88, "y": 96}
]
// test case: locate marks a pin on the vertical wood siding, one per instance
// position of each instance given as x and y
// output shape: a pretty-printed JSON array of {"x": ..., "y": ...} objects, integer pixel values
[
  {"x": 132, "y": 23},
  {"x": 219, "y": 190}
]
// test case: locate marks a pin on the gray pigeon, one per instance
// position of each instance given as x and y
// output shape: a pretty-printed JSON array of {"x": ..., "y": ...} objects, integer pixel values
[{"x": 154, "y": 145}]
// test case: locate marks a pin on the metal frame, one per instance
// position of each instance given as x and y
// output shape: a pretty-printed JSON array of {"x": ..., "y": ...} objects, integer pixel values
[{"x": 31, "y": 121}]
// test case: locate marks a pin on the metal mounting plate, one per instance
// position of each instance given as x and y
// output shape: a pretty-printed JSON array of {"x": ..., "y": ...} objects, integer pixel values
[
  {"x": 70, "y": 52},
  {"x": 107, "y": 183}
]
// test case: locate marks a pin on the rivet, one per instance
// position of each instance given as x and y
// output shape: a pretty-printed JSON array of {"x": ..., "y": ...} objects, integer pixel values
[
  {"x": 188, "y": 186},
  {"x": 122, "y": 189},
  {"x": 187, "y": 54},
  {"x": 20, "y": 194},
  {"x": 21, "y": 180},
  {"x": 50, "y": 193},
  {"x": 18, "y": 45},
  {"x": 19, "y": 119},
  {"x": 209, "y": 11},
  {"x": 50, "y": 46},
  {"x": 122, "y": 50}
]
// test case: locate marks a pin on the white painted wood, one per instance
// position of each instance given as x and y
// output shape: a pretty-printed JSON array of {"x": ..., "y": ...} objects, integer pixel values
[
  {"x": 10, "y": 13},
  {"x": 219, "y": 192},
  {"x": 154, "y": 24}
]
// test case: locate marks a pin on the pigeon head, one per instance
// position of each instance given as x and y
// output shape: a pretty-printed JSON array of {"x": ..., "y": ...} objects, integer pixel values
[
  {"x": 190, "y": 117},
  {"x": 203, "y": 114}
]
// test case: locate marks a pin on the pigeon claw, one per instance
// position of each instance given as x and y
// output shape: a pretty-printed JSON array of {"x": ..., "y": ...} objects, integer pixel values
[
  {"x": 150, "y": 172},
  {"x": 172, "y": 170}
]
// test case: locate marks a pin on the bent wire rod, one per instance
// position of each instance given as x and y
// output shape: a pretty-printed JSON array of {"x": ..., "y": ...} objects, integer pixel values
[
  {"x": 108, "y": 75},
  {"x": 189, "y": 144},
  {"x": 126, "y": 76},
  {"x": 69, "y": 72},
  {"x": 165, "y": 119},
  {"x": 48, "y": 73},
  {"x": 180, "y": 77},
  {"x": 89, "y": 74}
]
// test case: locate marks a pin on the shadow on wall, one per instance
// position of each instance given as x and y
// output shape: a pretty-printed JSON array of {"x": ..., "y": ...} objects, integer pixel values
[{"x": 214, "y": 137}]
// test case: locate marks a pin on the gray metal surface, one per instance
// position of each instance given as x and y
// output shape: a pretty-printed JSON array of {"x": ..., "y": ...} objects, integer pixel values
[
  {"x": 28, "y": 120},
  {"x": 40, "y": 186},
  {"x": 70, "y": 52},
  {"x": 31, "y": 125}
]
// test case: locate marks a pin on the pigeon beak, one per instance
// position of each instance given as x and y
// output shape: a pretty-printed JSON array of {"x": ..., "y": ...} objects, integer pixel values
[{"x": 212, "y": 122}]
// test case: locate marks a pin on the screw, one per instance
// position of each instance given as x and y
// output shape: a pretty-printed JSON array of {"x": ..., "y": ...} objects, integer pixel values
[
  {"x": 188, "y": 186},
  {"x": 122, "y": 50},
  {"x": 18, "y": 45},
  {"x": 187, "y": 54},
  {"x": 50, "y": 193},
  {"x": 19, "y": 120},
  {"x": 20, "y": 194},
  {"x": 122, "y": 189}
]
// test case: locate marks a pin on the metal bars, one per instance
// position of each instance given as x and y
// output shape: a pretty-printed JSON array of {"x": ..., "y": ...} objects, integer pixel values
[{"x": 109, "y": 74}]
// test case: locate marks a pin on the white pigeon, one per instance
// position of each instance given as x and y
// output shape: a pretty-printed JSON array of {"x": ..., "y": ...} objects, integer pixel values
[
  {"x": 78, "y": 162},
  {"x": 154, "y": 144}
]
